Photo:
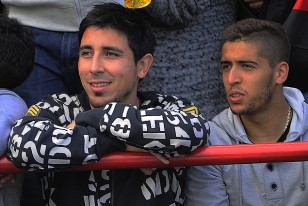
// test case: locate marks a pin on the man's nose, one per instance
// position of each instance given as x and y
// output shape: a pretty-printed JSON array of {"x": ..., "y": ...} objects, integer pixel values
[
  {"x": 97, "y": 65},
  {"x": 234, "y": 75}
]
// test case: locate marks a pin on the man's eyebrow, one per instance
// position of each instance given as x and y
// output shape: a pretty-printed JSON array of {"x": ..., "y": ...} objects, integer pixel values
[
  {"x": 107, "y": 48},
  {"x": 225, "y": 62},
  {"x": 248, "y": 62},
  {"x": 240, "y": 62},
  {"x": 85, "y": 47},
  {"x": 111, "y": 48}
]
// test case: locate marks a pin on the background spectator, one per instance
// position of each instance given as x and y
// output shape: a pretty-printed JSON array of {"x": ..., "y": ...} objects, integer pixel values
[
  {"x": 16, "y": 62},
  {"x": 187, "y": 57}
]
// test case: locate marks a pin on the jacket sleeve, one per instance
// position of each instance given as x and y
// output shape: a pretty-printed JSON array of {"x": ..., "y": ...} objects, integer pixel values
[
  {"x": 41, "y": 140},
  {"x": 165, "y": 128},
  {"x": 12, "y": 108},
  {"x": 205, "y": 186},
  {"x": 175, "y": 12}
]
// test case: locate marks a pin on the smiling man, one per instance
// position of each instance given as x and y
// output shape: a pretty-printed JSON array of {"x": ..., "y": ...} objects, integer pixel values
[
  {"x": 255, "y": 56},
  {"x": 62, "y": 131}
]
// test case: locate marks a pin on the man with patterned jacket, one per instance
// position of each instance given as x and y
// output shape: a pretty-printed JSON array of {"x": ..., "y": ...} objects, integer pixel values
[{"x": 62, "y": 131}]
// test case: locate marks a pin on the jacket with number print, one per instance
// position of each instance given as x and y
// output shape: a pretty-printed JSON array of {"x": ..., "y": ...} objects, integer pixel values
[{"x": 41, "y": 141}]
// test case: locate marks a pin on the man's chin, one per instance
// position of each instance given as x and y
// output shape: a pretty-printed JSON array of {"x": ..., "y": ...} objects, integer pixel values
[
  {"x": 98, "y": 102},
  {"x": 236, "y": 111}
]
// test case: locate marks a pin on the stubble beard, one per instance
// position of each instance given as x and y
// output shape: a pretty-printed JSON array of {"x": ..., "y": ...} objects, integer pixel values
[
  {"x": 262, "y": 98},
  {"x": 102, "y": 102}
]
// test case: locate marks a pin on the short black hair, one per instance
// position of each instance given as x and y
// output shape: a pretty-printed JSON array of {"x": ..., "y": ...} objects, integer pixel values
[
  {"x": 270, "y": 36},
  {"x": 17, "y": 52},
  {"x": 127, "y": 21}
]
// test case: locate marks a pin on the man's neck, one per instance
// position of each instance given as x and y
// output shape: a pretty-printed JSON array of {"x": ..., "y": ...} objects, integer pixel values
[{"x": 268, "y": 126}]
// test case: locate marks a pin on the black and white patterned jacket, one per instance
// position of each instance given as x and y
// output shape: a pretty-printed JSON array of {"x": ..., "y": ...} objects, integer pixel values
[{"x": 164, "y": 124}]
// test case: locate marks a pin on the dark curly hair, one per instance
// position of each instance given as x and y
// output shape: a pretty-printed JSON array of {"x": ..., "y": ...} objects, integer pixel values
[{"x": 17, "y": 52}]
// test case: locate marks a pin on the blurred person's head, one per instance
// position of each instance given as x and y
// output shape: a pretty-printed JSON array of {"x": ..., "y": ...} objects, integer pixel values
[{"x": 17, "y": 52}]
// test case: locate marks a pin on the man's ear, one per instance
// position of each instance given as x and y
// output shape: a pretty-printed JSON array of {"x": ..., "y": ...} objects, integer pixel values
[
  {"x": 282, "y": 71},
  {"x": 143, "y": 65}
]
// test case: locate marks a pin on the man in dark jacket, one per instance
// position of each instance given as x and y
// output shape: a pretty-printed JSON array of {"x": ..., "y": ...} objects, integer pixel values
[{"x": 62, "y": 131}]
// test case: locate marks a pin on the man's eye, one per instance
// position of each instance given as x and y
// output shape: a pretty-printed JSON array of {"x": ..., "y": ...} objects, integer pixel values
[
  {"x": 111, "y": 54},
  {"x": 225, "y": 66},
  {"x": 247, "y": 67},
  {"x": 85, "y": 53}
]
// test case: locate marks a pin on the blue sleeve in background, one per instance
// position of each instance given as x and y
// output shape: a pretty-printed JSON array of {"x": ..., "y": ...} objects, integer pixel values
[{"x": 12, "y": 107}]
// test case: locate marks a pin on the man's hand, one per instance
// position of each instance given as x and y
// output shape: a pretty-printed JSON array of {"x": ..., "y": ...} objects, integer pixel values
[
  {"x": 147, "y": 171},
  {"x": 254, "y": 4},
  {"x": 6, "y": 177},
  {"x": 71, "y": 125}
]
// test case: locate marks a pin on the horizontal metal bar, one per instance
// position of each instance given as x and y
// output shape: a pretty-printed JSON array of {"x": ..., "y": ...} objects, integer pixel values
[{"x": 207, "y": 155}]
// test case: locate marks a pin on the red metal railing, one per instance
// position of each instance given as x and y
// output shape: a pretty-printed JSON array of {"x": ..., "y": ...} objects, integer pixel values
[{"x": 218, "y": 154}]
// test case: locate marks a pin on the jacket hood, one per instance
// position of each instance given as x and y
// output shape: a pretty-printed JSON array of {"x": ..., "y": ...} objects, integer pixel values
[{"x": 232, "y": 124}]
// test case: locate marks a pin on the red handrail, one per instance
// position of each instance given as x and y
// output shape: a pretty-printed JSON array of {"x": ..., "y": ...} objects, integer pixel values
[{"x": 218, "y": 154}]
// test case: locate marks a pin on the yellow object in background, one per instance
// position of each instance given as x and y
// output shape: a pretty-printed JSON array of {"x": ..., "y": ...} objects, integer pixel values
[{"x": 136, "y": 4}]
